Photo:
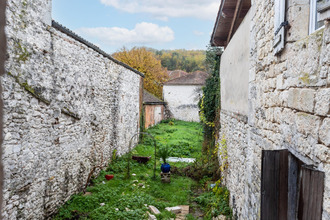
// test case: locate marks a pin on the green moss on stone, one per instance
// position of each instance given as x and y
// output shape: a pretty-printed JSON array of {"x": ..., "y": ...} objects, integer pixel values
[
  {"x": 37, "y": 95},
  {"x": 21, "y": 52},
  {"x": 305, "y": 78},
  {"x": 29, "y": 88}
]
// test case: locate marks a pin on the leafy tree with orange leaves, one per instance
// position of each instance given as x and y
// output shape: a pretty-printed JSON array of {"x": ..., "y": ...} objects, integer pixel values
[{"x": 146, "y": 62}]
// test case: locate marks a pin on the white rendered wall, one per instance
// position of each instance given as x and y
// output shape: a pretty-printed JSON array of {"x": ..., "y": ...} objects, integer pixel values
[
  {"x": 182, "y": 101},
  {"x": 158, "y": 114},
  {"x": 234, "y": 70}
]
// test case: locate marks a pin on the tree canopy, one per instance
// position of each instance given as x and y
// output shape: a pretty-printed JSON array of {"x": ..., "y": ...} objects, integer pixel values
[
  {"x": 186, "y": 60},
  {"x": 146, "y": 62}
]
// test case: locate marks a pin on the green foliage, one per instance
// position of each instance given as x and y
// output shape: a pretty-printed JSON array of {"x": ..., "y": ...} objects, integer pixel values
[
  {"x": 122, "y": 198},
  {"x": 126, "y": 198},
  {"x": 211, "y": 90},
  {"x": 164, "y": 152},
  {"x": 184, "y": 139},
  {"x": 186, "y": 60},
  {"x": 223, "y": 153},
  {"x": 190, "y": 217},
  {"x": 166, "y": 215},
  {"x": 114, "y": 155},
  {"x": 210, "y": 103},
  {"x": 215, "y": 202},
  {"x": 203, "y": 169},
  {"x": 147, "y": 63}
]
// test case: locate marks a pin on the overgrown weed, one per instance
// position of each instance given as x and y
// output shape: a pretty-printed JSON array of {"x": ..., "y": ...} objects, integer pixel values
[{"x": 122, "y": 198}]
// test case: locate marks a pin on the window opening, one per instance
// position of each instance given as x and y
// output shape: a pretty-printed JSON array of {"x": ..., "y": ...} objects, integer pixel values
[{"x": 314, "y": 24}]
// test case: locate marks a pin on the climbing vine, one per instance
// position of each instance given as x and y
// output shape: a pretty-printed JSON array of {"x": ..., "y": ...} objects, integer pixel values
[
  {"x": 202, "y": 114},
  {"x": 209, "y": 104},
  {"x": 223, "y": 154}
]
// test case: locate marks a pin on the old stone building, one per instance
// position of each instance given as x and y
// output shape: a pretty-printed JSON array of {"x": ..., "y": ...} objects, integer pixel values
[
  {"x": 275, "y": 97},
  {"x": 68, "y": 106},
  {"x": 182, "y": 95}
]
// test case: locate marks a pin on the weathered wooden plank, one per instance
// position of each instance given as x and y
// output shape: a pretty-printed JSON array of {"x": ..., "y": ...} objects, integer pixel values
[
  {"x": 319, "y": 182},
  {"x": 237, "y": 12},
  {"x": 311, "y": 194},
  {"x": 267, "y": 195},
  {"x": 293, "y": 185},
  {"x": 283, "y": 185},
  {"x": 274, "y": 185}
]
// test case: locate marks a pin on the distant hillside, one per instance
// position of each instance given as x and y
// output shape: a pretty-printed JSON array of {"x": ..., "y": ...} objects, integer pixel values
[{"x": 186, "y": 60}]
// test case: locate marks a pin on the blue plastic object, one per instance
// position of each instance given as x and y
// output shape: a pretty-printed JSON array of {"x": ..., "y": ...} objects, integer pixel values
[{"x": 165, "y": 168}]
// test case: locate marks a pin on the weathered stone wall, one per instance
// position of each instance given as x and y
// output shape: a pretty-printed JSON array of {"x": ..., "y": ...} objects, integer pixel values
[
  {"x": 2, "y": 68},
  {"x": 289, "y": 98},
  {"x": 182, "y": 101},
  {"x": 67, "y": 107}
]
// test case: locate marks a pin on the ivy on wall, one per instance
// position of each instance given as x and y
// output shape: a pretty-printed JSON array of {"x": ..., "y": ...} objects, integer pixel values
[{"x": 209, "y": 104}]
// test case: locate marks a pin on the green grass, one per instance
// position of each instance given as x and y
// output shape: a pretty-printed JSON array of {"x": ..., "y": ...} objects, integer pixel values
[
  {"x": 183, "y": 138},
  {"x": 121, "y": 193},
  {"x": 126, "y": 198}
]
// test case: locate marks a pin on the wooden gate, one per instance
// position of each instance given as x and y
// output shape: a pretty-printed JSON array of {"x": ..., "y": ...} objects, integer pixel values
[
  {"x": 311, "y": 194},
  {"x": 289, "y": 188},
  {"x": 274, "y": 187}
]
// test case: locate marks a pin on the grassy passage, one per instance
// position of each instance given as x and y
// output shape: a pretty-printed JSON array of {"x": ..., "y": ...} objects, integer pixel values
[
  {"x": 183, "y": 138},
  {"x": 128, "y": 198},
  {"x": 122, "y": 198}
]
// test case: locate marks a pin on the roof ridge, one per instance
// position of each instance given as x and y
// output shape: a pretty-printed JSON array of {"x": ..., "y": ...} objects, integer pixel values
[{"x": 192, "y": 77}]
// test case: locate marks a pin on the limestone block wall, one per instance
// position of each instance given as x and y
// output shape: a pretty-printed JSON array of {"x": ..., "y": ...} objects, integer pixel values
[
  {"x": 289, "y": 98},
  {"x": 2, "y": 63},
  {"x": 182, "y": 101},
  {"x": 67, "y": 107}
]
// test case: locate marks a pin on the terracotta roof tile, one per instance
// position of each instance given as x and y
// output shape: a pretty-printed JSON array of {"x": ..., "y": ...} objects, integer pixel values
[
  {"x": 176, "y": 74},
  {"x": 195, "y": 78}
]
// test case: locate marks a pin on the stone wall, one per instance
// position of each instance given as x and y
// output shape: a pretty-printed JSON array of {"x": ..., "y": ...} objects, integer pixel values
[
  {"x": 67, "y": 107},
  {"x": 289, "y": 98},
  {"x": 182, "y": 101},
  {"x": 2, "y": 63}
]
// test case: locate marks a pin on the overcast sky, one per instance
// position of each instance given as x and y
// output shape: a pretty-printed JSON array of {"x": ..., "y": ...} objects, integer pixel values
[{"x": 160, "y": 24}]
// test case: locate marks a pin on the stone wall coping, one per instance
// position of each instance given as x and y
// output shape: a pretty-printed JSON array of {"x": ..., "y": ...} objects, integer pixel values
[{"x": 76, "y": 37}]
